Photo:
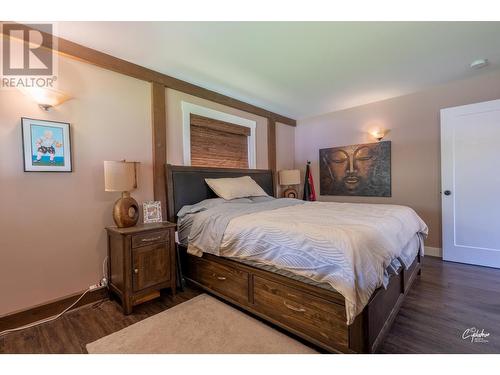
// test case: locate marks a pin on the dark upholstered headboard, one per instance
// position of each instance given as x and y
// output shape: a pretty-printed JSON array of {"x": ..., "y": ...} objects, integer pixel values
[{"x": 186, "y": 185}]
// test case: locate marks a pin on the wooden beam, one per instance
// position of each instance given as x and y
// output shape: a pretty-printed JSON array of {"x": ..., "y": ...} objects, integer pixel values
[
  {"x": 159, "y": 123},
  {"x": 103, "y": 60}
]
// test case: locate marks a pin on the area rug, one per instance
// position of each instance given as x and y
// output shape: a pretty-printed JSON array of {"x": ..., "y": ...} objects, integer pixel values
[{"x": 201, "y": 325}]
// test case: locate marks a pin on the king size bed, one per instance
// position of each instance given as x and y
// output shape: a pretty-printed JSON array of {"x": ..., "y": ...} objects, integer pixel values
[{"x": 333, "y": 274}]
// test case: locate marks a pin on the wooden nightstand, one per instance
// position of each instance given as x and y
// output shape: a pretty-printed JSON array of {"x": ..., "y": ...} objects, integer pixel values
[{"x": 141, "y": 262}]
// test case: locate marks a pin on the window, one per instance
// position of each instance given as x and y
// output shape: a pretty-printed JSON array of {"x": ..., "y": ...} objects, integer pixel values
[
  {"x": 217, "y": 139},
  {"x": 216, "y": 143}
]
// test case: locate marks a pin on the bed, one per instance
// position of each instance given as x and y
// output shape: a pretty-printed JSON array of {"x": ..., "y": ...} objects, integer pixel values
[{"x": 306, "y": 308}]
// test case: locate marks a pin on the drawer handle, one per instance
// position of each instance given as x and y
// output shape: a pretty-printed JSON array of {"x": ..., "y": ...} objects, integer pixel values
[
  {"x": 221, "y": 278},
  {"x": 151, "y": 239},
  {"x": 136, "y": 270},
  {"x": 298, "y": 309}
]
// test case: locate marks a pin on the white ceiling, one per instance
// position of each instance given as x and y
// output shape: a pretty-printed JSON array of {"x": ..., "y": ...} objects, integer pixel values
[{"x": 299, "y": 69}]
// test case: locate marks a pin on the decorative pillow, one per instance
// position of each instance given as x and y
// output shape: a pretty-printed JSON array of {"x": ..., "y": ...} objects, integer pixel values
[
  {"x": 207, "y": 204},
  {"x": 238, "y": 187}
]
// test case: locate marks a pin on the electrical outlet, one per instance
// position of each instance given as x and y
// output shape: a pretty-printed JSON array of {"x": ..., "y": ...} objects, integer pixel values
[{"x": 104, "y": 282}]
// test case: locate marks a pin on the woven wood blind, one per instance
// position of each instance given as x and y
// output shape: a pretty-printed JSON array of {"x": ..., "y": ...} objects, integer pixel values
[{"x": 217, "y": 143}]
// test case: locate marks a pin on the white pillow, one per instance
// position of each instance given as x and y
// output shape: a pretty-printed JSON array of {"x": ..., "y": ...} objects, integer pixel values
[{"x": 237, "y": 187}]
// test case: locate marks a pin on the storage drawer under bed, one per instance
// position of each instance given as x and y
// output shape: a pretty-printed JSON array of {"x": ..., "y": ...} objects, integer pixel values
[
  {"x": 319, "y": 319},
  {"x": 229, "y": 281}
]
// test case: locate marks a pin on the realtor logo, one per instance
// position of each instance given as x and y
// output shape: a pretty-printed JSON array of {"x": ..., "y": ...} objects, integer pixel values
[
  {"x": 28, "y": 56},
  {"x": 34, "y": 57}
]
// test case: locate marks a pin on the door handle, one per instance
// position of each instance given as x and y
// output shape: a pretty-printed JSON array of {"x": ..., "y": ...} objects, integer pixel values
[{"x": 447, "y": 192}]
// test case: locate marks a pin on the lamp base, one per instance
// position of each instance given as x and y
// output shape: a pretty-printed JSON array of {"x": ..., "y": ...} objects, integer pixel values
[
  {"x": 126, "y": 211},
  {"x": 290, "y": 193}
]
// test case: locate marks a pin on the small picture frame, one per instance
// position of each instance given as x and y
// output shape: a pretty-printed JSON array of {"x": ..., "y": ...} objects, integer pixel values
[
  {"x": 46, "y": 146},
  {"x": 152, "y": 212}
]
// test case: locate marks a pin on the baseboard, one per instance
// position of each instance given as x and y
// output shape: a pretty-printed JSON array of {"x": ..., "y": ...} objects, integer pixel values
[
  {"x": 434, "y": 251},
  {"x": 48, "y": 309}
]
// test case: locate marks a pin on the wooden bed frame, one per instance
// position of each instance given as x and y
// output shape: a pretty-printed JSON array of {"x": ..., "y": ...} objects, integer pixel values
[{"x": 310, "y": 312}]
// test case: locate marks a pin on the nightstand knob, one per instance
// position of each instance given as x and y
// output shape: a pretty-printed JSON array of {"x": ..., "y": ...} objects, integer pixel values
[{"x": 136, "y": 270}]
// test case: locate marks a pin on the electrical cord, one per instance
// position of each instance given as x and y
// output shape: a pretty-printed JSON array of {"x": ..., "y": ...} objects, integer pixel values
[
  {"x": 50, "y": 319},
  {"x": 104, "y": 282},
  {"x": 104, "y": 271},
  {"x": 47, "y": 319}
]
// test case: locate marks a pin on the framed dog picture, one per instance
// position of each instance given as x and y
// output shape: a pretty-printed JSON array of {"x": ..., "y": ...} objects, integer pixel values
[
  {"x": 46, "y": 146},
  {"x": 152, "y": 212}
]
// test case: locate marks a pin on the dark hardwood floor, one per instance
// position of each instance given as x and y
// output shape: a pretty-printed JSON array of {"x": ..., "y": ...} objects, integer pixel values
[{"x": 447, "y": 299}]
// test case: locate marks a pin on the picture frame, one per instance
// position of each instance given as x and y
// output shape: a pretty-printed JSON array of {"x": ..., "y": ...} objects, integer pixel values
[
  {"x": 152, "y": 212},
  {"x": 46, "y": 146},
  {"x": 356, "y": 170}
]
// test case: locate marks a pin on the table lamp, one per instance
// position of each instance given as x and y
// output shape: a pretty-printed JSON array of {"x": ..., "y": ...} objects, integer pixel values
[
  {"x": 289, "y": 177},
  {"x": 122, "y": 176}
]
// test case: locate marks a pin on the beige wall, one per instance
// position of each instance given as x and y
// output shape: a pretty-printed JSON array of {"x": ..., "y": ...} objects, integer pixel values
[
  {"x": 174, "y": 131},
  {"x": 285, "y": 146},
  {"x": 413, "y": 121},
  {"x": 52, "y": 240}
]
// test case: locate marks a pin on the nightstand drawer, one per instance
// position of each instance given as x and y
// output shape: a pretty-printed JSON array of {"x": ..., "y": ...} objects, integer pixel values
[
  {"x": 149, "y": 238},
  {"x": 150, "y": 266}
]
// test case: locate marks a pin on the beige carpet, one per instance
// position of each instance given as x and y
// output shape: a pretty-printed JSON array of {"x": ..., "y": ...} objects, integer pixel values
[{"x": 200, "y": 325}]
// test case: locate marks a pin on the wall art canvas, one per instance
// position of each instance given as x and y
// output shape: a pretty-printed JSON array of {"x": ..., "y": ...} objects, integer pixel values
[
  {"x": 356, "y": 170},
  {"x": 46, "y": 146}
]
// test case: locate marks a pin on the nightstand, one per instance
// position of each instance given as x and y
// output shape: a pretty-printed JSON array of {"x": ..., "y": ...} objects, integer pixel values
[{"x": 141, "y": 262}]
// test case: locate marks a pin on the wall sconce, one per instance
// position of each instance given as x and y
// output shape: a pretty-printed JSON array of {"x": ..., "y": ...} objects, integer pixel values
[
  {"x": 378, "y": 134},
  {"x": 46, "y": 98}
]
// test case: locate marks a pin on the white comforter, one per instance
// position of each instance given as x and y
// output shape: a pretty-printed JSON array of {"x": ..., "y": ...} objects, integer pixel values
[{"x": 345, "y": 245}]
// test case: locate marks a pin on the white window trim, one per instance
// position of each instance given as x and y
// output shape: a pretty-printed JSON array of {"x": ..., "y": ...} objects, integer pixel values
[{"x": 190, "y": 108}]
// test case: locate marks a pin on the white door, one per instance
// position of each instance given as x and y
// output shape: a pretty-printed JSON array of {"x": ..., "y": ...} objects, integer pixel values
[{"x": 470, "y": 183}]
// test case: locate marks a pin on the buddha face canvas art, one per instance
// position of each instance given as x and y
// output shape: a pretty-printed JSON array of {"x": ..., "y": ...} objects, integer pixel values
[{"x": 357, "y": 170}]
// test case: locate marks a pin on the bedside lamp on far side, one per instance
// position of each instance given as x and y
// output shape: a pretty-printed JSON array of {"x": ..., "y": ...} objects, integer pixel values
[
  {"x": 122, "y": 176},
  {"x": 289, "y": 177}
]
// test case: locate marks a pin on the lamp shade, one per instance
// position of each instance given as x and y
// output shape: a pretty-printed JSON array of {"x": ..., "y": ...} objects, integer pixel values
[
  {"x": 289, "y": 177},
  {"x": 120, "y": 175}
]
